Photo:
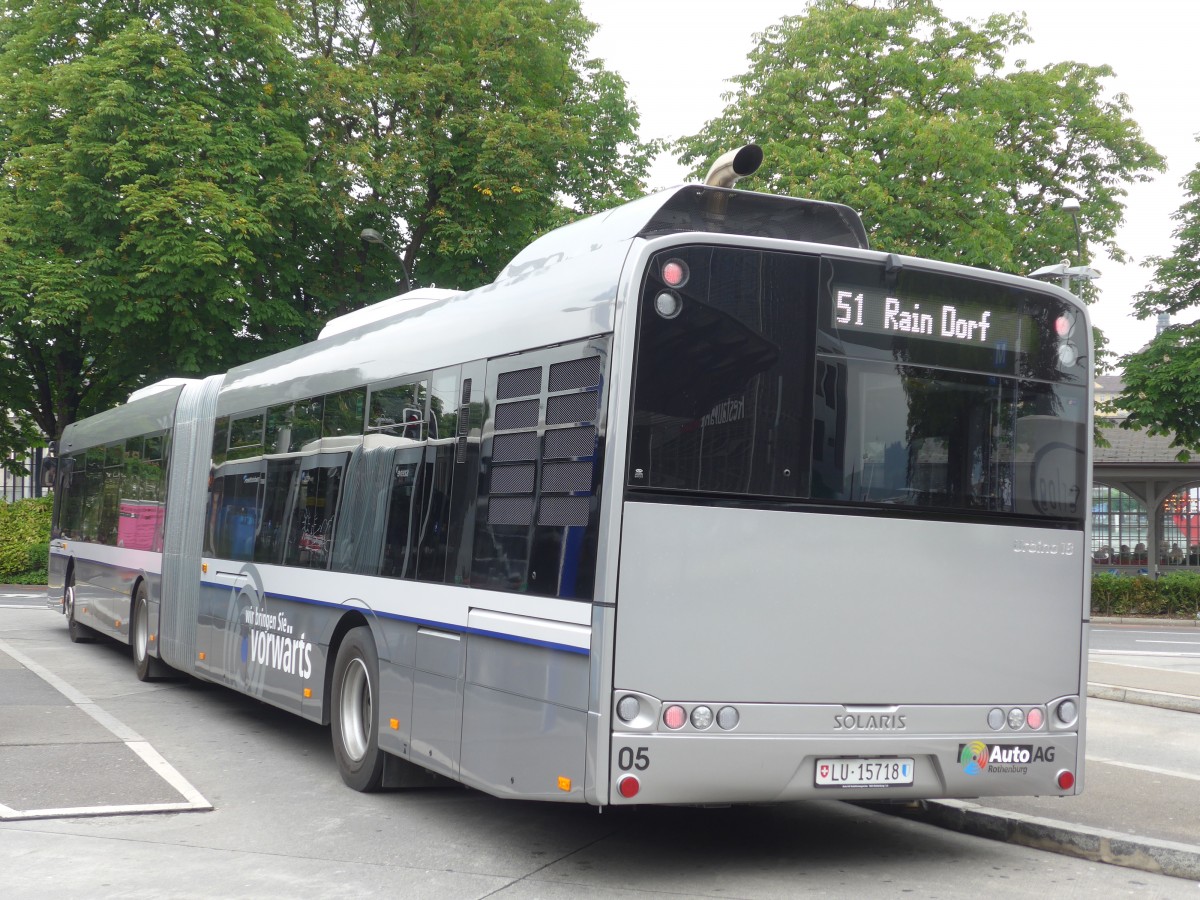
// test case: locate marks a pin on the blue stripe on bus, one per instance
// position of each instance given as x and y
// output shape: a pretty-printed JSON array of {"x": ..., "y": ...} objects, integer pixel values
[
  {"x": 413, "y": 620},
  {"x": 533, "y": 642}
]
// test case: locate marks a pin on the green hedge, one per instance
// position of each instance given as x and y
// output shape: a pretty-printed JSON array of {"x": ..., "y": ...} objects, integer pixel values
[
  {"x": 24, "y": 540},
  {"x": 1176, "y": 595}
]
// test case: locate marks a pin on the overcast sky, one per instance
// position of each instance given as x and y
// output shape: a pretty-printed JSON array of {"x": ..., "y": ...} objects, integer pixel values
[{"x": 676, "y": 55}]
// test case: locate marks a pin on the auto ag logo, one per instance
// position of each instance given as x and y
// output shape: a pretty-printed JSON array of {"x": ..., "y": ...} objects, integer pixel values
[{"x": 973, "y": 757}]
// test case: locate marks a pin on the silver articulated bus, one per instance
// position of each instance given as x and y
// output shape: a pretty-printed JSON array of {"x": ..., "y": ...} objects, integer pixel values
[{"x": 701, "y": 501}]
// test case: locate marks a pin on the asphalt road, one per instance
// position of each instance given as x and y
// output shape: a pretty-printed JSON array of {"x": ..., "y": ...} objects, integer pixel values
[{"x": 1182, "y": 643}]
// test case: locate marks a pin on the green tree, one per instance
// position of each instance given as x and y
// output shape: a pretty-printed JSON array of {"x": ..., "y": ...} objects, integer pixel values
[
  {"x": 1162, "y": 380},
  {"x": 151, "y": 165},
  {"x": 459, "y": 129},
  {"x": 182, "y": 185},
  {"x": 948, "y": 148}
]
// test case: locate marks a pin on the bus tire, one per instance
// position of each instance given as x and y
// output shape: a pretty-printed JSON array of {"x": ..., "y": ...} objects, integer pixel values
[
  {"x": 354, "y": 719},
  {"x": 76, "y": 630},
  {"x": 147, "y": 668}
]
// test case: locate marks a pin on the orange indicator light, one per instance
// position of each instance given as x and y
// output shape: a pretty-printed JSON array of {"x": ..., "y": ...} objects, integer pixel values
[
  {"x": 307, "y": 693},
  {"x": 152, "y": 639},
  {"x": 201, "y": 654},
  {"x": 395, "y": 723},
  {"x": 204, "y": 568},
  {"x": 564, "y": 783},
  {"x": 118, "y": 624}
]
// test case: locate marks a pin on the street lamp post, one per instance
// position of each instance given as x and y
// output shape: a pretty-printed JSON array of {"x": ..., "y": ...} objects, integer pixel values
[
  {"x": 1064, "y": 271},
  {"x": 1071, "y": 205},
  {"x": 371, "y": 236}
]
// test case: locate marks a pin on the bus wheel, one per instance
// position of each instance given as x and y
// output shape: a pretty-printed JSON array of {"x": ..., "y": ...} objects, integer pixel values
[
  {"x": 139, "y": 634},
  {"x": 76, "y": 630},
  {"x": 354, "y": 718}
]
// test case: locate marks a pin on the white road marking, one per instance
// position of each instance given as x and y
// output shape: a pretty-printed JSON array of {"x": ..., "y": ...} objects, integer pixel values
[
  {"x": 1190, "y": 776},
  {"x": 135, "y": 742}
]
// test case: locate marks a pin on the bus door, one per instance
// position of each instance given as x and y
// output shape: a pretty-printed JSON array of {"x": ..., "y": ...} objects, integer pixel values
[{"x": 234, "y": 515}]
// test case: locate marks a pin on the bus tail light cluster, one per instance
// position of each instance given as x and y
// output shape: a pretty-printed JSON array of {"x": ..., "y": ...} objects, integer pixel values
[
  {"x": 1060, "y": 714},
  {"x": 701, "y": 717},
  {"x": 1016, "y": 718},
  {"x": 643, "y": 712},
  {"x": 1066, "y": 712}
]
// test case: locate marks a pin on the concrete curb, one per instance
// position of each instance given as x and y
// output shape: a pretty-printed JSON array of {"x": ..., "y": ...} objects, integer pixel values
[
  {"x": 1144, "y": 621},
  {"x": 1095, "y": 844},
  {"x": 1161, "y": 699}
]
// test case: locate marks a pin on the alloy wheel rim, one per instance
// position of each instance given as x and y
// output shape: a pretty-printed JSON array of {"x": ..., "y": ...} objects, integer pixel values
[{"x": 356, "y": 710}]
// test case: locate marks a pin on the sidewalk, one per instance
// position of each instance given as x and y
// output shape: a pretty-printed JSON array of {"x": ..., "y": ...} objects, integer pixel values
[{"x": 1139, "y": 818}]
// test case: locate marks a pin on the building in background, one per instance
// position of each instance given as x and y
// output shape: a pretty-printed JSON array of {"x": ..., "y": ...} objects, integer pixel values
[{"x": 1145, "y": 502}]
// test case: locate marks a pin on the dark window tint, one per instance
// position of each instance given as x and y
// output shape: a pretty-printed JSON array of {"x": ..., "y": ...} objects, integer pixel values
[
  {"x": 313, "y": 513},
  {"x": 220, "y": 448},
  {"x": 723, "y": 389},
  {"x": 538, "y": 481},
  {"x": 140, "y": 516},
  {"x": 400, "y": 409},
  {"x": 234, "y": 510},
  {"x": 279, "y": 495},
  {"x": 395, "y": 504},
  {"x": 919, "y": 437},
  {"x": 246, "y": 436},
  {"x": 72, "y": 490},
  {"x": 925, "y": 317},
  {"x": 344, "y": 413},
  {"x": 769, "y": 374},
  {"x": 114, "y": 494}
]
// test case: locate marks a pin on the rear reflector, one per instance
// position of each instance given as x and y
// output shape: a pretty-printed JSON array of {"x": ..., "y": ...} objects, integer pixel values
[
  {"x": 1066, "y": 780},
  {"x": 628, "y": 786}
]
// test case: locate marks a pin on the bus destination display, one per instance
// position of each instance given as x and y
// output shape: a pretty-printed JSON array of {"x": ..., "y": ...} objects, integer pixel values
[{"x": 963, "y": 322}]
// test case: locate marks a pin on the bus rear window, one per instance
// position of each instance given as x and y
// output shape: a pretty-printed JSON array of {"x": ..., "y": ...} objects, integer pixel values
[
  {"x": 786, "y": 375},
  {"x": 912, "y": 436}
]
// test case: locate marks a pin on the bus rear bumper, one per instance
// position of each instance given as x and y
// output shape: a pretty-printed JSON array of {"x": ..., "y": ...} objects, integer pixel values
[{"x": 726, "y": 768}]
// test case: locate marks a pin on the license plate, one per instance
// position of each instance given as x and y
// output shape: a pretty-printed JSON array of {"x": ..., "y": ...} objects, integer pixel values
[{"x": 863, "y": 772}]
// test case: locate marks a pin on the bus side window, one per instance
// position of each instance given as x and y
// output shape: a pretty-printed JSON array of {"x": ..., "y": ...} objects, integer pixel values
[
  {"x": 404, "y": 512},
  {"x": 140, "y": 517},
  {"x": 235, "y": 498},
  {"x": 70, "y": 495},
  {"x": 539, "y": 482},
  {"x": 313, "y": 513},
  {"x": 277, "y": 497},
  {"x": 110, "y": 500}
]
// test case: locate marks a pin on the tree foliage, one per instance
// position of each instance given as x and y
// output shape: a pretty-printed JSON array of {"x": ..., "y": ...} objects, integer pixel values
[
  {"x": 949, "y": 148},
  {"x": 182, "y": 185},
  {"x": 1162, "y": 380},
  {"x": 24, "y": 539},
  {"x": 149, "y": 169}
]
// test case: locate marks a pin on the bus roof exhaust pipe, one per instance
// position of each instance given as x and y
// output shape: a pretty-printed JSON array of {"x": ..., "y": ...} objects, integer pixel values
[{"x": 734, "y": 165}]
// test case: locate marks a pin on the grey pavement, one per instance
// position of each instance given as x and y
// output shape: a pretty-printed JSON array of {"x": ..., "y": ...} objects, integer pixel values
[
  {"x": 1136, "y": 816},
  {"x": 1129, "y": 815}
]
